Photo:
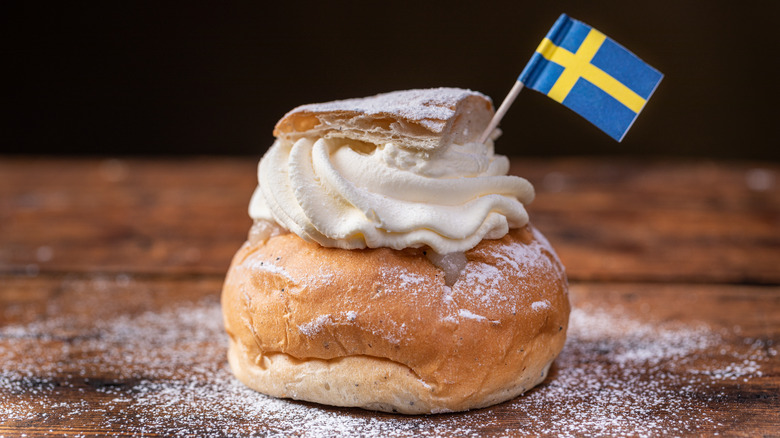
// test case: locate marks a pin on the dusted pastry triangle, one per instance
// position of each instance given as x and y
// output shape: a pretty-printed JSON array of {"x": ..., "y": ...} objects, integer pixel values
[{"x": 417, "y": 119}]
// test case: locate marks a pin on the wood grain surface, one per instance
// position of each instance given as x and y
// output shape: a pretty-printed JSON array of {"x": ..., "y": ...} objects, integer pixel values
[{"x": 110, "y": 274}]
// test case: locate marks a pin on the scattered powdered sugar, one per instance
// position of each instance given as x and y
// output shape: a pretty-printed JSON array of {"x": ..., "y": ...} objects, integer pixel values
[
  {"x": 540, "y": 305},
  {"x": 313, "y": 327},
  {"x": 467, "y": 314},
  {"x": 486, "y": 281},
  {"x": 264, "y": 265},
  {"x": 402, "y": 281},
  {"x": 483, "y": 280},
  {"x": 165, "y": 373},
  {"x": 463, "y": 313},
  {"x": 410, "y": 279}
]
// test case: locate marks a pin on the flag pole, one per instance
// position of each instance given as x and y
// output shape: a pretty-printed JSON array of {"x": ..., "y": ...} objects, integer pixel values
[{"x": 502, "y": 110}]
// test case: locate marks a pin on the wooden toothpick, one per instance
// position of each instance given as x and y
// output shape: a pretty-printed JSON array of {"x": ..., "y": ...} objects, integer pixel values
[{"x": 501, "y": 110}]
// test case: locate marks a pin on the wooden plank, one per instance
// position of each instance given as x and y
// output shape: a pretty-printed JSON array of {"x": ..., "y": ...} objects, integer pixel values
[
  {"x": 93, "y": 354},
  {"x": 187, "y": 215},
  {"x": 609, "y": 219},
  {"x": 629, "y": 220}
]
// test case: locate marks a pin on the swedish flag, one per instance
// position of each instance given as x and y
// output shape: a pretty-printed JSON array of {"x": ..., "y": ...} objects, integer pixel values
[{"x": 591, "y": 74}]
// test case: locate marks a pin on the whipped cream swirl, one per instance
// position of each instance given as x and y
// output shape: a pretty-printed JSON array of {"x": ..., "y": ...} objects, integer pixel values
[{"x": 350, "y": 194}]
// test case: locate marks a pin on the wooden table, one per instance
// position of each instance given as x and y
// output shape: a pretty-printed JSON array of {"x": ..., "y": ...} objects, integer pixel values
[{"x": 110, "y": 273}]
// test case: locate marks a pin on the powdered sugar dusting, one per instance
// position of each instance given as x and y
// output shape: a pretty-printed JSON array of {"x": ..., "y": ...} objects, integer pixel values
[
  {"x": 409, "y": 279},
  {"x": 313, "y": 327},
  {"x": 467, "y": 314},
  {"x": 484, "y": 281},
  {"x": 256, "y": 264},
  {"x": 165, "y": 373}
]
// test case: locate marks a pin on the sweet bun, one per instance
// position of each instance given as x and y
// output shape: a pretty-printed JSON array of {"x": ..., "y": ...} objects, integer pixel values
[
  {"x": 391, "y": 330},
  {"x": 415, "y": 119},
  {"x": 391, "y": 265}
]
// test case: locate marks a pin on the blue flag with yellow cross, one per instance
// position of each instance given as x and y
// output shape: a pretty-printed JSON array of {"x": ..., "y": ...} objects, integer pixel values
[{"x": 592, "y": 75}]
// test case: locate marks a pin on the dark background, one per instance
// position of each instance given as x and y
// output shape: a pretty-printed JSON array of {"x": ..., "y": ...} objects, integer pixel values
[{"x": 130, "y": 78}]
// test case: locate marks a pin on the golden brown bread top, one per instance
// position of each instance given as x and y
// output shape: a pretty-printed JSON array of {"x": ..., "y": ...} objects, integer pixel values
[
  {"x": 298, "y": 298},
  {"x": 417, "y": 119}
]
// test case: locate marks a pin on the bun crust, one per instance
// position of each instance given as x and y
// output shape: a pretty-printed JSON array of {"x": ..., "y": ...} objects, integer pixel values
[
  {"x": 416, "y": 119},
  {"x": 380, "y": 329}
]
